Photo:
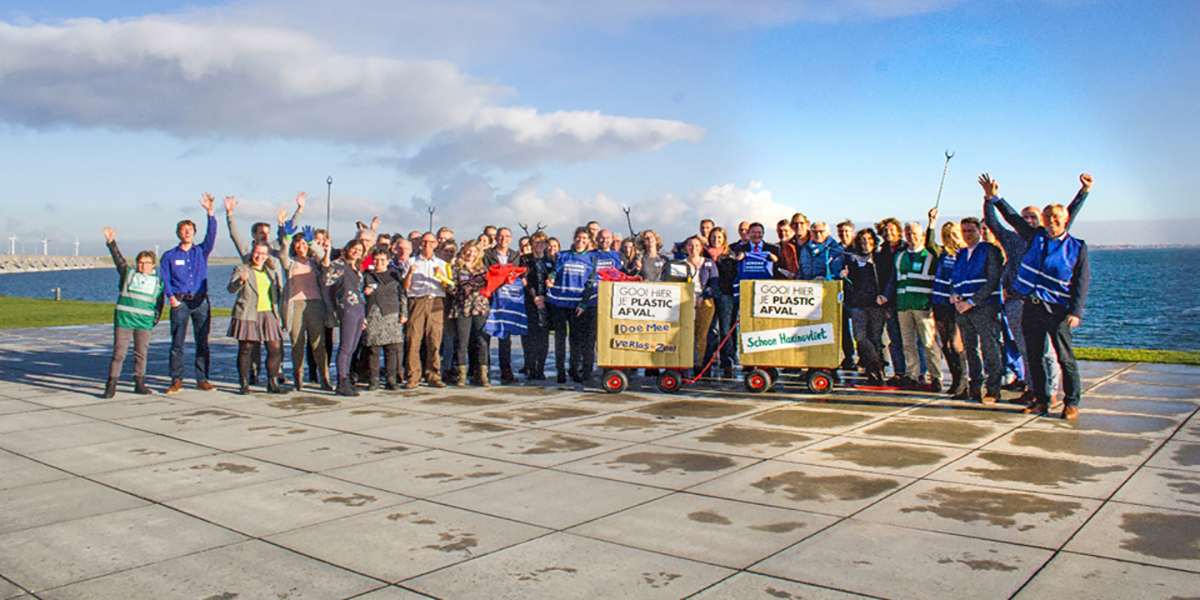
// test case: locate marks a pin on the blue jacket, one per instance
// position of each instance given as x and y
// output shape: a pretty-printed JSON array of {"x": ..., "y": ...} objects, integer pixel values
[{"x": 821, "y": 262}]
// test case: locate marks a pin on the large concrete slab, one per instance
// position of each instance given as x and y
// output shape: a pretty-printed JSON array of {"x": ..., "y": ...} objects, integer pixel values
[
  {"x": 1143, "y": 534},
  {"x": 804, "y": 487},
  {"x": 1077, "y": 576},
  {"x": 57, "y": 501}
]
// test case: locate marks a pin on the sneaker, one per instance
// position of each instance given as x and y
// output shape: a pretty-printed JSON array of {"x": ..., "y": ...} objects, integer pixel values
[
  {"x": 205, "y": 386},
  {"x": 989, "y": 399},
  {"x": 1070, "y": 413},
  {"x": 176, "y": 385},
  {"x": 1036, "y": 408}
]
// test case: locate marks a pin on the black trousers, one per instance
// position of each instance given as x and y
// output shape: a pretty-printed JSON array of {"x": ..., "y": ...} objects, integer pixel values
[{"x": 1043, "y": 322}]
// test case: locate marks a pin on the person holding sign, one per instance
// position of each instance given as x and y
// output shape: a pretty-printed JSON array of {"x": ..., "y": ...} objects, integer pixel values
[
  {"x": 865, "y": 300},
  {"x": 976, "y": 299},
  {"x": 756, "y": 258},
  {"x": 574, "y": 276},
  {"x": 1053, "y": 278}
]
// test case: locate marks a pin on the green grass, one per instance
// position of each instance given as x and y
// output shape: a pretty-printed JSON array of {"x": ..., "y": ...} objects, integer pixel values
[
  {"x": 20, "y": 313},
  {"x": 1149, "y": 356}
]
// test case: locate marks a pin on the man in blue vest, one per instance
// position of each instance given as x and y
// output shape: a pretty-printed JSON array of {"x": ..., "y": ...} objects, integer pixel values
[
  {"x": 976, "y": 298},
  {"x": 1053, "y": 279}
]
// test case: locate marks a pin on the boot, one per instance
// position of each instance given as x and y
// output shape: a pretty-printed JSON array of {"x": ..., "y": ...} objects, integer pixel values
[
  {"x": 372, "y": 381},
  {"x": 273, "y": 386},
  {"x": 451, "y": 376},
  {"x": 345, "y": 388},
  {"x": 393, "y": 382},
  {"x": 461, "y": 379},
  {"x": 325, "y": 385},
  {"x": 296, "y": 374},
  {"x": 244, "y": 386},
  {"x": 506, "y": 376},
  {"x": 139, "y": 386},
  {"x": 110, "y": 387}
]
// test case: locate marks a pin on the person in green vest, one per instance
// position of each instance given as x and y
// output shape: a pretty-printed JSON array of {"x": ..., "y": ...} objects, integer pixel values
[
  {"x": 138, "y": 309},
  {"x": 912, "y": 288}
]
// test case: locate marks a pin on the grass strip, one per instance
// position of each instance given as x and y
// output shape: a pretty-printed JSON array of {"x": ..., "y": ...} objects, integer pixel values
[
  {"x": 1178, "y": 357},
  {"x": 23, "y": 313}
]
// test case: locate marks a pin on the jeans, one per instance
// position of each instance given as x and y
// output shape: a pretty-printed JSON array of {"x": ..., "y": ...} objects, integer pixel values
[
  {"x": 726, "y": 308},
  {"x": 980, "y": 328},
  {"x": 352, "y": 327},
  {"x": 868, "y": 336},
  {"x": 536, "y": 344},
  {"x": 472, "y": 342},
  {"x": 583, "y": 341},
  {"x": 1042, "y": 321},
  {"x": 198, "y": 312},
  {"x": 895, "y": 342}
]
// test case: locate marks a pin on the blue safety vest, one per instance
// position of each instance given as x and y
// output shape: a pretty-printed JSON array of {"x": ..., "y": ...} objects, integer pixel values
[
  {"x": 507, "y": 316},
  {"x": 1047, "y": 268},
  {"x": 572, "y": 274},
  {"x": 943, "y": 286},
  {"x": 971, "y": 274}
]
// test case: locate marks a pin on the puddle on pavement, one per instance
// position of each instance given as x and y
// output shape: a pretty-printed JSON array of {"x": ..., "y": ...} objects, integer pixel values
[
  {"x": 226, "y": 467},
  {"x": 710, "y": 517},
  {"x": 1167, "y": 536},
  {"x": 561, "y": 443},
  {"x": 660, "y": 579},
  {"x": 454, "y": 542},
  {"x": 734, "y": 435},
  {"x": 991, "y": 506},
  {"x": 884, "y": 455},
  {"x": 223, "y": 596},
  {"x": 700, "y": 409},
  {"x": 388, "y": 449},
  {"x": 335, "y": 497},
  {"x": 525, "y": 390},
  {"x": 658, "y": 462},
  {"x": 1080, "y": 444},
  {"x": 147, "y": 452},
  {"x": 1089, "y": 421},
  {"x": 800, "y": 487},
  {"x": 1187, "y": 485},
  {"x": 1187, "y": 455},
  {"x": 480, "y": 427},
  {"x": 1045, "y": 472},
  {"x": 534, "y": 414},
  {"x": 381, "y": 412},
  {"x": 210, "y": 412},
  {"x": 1160, "y": 408},
  {"x": 459, "y": 400},
  {"x": 626, "y": 423},
  {"x": 284, "y": 430},
  {"x": 811, "y": 419},
  {"x": 937, "y": 431},
  {"x": 968, "y": 413},
  {"x": 600, "y": 398},
  {"x": 978, "y": 564},
  {"x": 301, "y": 403},
  {"x": 782, "y": 527},
  {"x": 536, "y": 573}
]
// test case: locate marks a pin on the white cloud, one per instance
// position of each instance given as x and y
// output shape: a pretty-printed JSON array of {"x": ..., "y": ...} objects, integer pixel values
[{"x": 188, "y": 79}]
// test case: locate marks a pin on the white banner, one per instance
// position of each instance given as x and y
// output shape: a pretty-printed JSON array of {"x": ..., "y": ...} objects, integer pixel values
[
  {"x": 646, "y": 301},
  {"x": 775, "y": 299},
  {"x": 788, "y": 337}
]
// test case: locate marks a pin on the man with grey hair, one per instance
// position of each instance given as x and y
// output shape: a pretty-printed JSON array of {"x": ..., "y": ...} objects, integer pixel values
[{"x": 912, "y": 289}]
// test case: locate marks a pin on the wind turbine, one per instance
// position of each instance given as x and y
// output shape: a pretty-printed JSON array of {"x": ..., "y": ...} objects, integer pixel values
[
  {"x": 77, "y": 246},
  {"x": 12, "y": 248},
  {"x": 45, "y": 246}
]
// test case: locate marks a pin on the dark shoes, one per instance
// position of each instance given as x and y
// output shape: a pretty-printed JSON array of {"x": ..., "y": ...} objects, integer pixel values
[
  {"x": 110, "y": 388},
  {"x": 244, "y": 386},
  {"x": 139, "y": 386},
  {"x": 1036, "y": 408},
  {"x": 345, "y": 388},
  {"x": 507, "y": 377}
]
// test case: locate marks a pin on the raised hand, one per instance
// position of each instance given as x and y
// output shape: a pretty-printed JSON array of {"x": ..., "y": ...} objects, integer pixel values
[
  {"x": 375, "y": 224},
  {"x": 230, "y": 204},
  {"x": 245, "y": 275},
  {"x": 308, "y": 232},
  {"x": 1086, "y": 182},
  {"x": 933, "y": 214},
  {"x": 281, "y": 215},
  {"x": 990, "y": 186},
  {"x": 108, "y": 232},
  {"x": 207, "y": 201},
  {"x": 300, "y": 198}
]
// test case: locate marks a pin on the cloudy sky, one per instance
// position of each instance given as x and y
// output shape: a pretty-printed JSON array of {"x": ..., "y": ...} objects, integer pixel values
[{"x": 542, "y": 111}]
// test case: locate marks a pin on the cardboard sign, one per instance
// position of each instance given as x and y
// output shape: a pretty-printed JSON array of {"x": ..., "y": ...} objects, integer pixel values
[
  {"x": 788, "y": 300},
  {"x": 643, "y": 346},
  {"x": 788, "y": 337},
  {"x": 646, "y": 302},
  {"x": 643, "y": 328}
]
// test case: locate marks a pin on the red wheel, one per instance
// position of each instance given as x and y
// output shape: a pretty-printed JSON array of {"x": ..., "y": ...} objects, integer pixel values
[
  {"x": 819, "y": 382},
  {"x": 669, "y": 381},
  {"x": 615, "y": 381},
  {"x": 757, "y": 381}
]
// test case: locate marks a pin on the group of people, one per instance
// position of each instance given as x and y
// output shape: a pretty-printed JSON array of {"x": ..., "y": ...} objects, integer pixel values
[{"x": 428, "y": 306}]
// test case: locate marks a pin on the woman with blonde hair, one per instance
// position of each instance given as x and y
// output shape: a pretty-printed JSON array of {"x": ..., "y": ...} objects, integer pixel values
[
  {"x": 702, "y": 273},
  {"x": 650, "y": 266},
  {"x": 469, "y": 310},
  {"x": 943, "y": 311},
  {"x": 255, "y": 316},
  {"x": 724, "y": 301}
]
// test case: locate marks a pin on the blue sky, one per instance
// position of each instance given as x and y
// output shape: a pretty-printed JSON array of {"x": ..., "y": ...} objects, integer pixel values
[{"x": 122, "y": 113}]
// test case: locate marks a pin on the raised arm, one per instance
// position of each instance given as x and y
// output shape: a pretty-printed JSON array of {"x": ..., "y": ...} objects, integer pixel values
[
  {"x": 930, "y": 239},
  {"x": 1073, "y": 209},
  {"x": 991, "y": 187},
  {"x": 118, "y": 260},
  {"x": 300, "y": 199},
  {"x": 210, "y": 230},
  {"x": 235, "y": 234},
  {"x": 285, "y": 254}
]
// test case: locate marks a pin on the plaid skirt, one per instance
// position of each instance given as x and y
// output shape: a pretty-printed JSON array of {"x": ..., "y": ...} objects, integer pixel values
[{"x": 265, "y": 329}]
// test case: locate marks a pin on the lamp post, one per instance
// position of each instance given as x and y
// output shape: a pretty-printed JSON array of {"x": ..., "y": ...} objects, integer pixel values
[{"x": 328, "y": 204}]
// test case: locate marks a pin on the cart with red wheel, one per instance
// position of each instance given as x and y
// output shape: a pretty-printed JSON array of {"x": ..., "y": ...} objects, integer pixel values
[
  {"x": 644, "y": 325},
  {"x": 794, "y": 325}
]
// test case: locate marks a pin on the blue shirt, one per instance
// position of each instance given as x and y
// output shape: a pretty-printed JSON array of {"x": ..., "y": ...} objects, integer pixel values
[{"x": 185, "y": 272}]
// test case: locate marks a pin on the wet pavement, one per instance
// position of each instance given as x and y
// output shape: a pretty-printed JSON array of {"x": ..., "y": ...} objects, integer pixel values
[{"x": 566, "y": 492}]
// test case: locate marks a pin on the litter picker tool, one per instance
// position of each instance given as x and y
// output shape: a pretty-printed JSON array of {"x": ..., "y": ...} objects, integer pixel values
[{"x": 938, "y": 202}]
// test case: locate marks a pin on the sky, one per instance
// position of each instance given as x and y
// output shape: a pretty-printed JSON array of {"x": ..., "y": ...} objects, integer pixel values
[{"x": 531, "y": 112}]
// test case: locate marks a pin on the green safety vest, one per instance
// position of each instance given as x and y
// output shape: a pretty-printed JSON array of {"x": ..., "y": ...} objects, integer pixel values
[
  {"x": 136, "y": 304},
  {"x": 915, "y": 274}
]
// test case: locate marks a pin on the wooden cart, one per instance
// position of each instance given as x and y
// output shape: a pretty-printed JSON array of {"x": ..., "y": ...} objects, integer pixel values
[
  {"x": 643, "y": 325},
  {"x": 790, "y": 325}
]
